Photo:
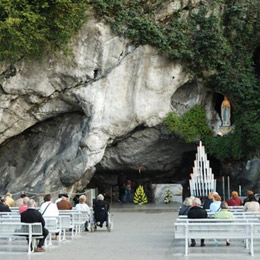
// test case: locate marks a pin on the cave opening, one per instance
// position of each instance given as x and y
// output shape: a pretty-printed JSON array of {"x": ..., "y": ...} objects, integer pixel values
[{"x": 110, "y": 182}]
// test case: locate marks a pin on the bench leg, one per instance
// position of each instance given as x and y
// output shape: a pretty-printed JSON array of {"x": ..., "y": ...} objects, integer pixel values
[
  {"x": 252, "y": 247},
  {"x": 186, "y": 246},
  {"x": 29, "y": 245},
  {"x": 247, "y": 244}
]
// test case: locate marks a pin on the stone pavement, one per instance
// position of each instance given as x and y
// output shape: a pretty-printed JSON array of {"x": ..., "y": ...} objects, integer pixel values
[{"x": 138, "y": 234}]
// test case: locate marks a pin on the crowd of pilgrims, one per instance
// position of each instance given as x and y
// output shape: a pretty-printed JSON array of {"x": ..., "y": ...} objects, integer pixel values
[
  {"x": 29, "y": 214},
  {"x": 197, "y": 208}
]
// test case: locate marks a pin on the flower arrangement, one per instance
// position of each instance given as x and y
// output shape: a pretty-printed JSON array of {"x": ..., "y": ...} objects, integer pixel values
[{"x": 167, "y": 197}]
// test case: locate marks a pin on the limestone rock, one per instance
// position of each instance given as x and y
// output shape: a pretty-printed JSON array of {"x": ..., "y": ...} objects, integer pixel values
[
  {"x": 102, "y": 106},
  {"x": 47, "y": 157}
]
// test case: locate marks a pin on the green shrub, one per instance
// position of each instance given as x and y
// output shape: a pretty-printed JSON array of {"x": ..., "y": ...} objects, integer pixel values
[
  {"x": 33, "y": 28},
  {"x": 190, "y": 126}
]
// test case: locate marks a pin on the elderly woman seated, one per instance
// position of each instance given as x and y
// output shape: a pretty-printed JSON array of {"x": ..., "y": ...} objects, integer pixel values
[
  {"x": 83, "y": 207},
  {"x": 224, "y": 213},
  {"x": 251, "y": 205},
  {"x": 187, "y": 203}
]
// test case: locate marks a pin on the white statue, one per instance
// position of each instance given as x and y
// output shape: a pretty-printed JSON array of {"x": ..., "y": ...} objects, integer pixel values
[{"x": 225, "y": 112}]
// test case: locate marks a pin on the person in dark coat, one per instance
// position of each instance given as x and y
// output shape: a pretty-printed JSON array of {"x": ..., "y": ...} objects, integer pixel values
[
  {"x": 3, "y": 206},
  {"x": 249, "y": 192},
  {"x": 31, "y": 215},
  {"x": 208, "y": 201},
  {"x": 185, "y": 207},
  {"x": 100, "y": 208},
  {"x": 197, "y": 212}
]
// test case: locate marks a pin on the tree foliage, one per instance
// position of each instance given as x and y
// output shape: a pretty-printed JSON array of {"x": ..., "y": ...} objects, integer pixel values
[{"x": 36, "y": 27}]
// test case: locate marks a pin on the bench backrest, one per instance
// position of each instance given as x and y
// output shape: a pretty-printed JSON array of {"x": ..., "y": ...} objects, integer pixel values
[
  {"x": 217, "y": 230},
  {"x": 18, "y": 228}
]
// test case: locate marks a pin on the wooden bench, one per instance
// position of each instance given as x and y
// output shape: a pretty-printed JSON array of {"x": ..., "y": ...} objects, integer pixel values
[
  {"x": 18, "y": 229},
  {"x": 217, "y": 229}
]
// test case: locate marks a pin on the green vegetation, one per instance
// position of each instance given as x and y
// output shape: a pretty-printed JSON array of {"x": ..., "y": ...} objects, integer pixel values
[
  {"x": 190, "y": 126},
  {"x": 34, "y": 28},
  {"x": 215, "y": 41}
]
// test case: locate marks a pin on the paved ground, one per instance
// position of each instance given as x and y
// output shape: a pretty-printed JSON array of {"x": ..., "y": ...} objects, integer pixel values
[{"x": 137, "y": 235}]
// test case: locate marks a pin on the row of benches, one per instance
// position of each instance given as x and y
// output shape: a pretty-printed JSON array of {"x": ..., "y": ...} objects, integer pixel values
[
  {"x": 10, "y": 226},
  {"x": 247, "y": 229}
]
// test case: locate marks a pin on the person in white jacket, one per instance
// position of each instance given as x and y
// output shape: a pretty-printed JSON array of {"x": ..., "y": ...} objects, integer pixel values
[
  {"x": 49, "y": 209},
  {"x": 83, "y": 207}
]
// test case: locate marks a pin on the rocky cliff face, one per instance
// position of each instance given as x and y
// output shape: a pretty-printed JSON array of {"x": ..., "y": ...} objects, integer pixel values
[{"x": 101, "y": 106}]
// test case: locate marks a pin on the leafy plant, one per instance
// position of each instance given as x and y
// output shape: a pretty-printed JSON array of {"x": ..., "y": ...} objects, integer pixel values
[
  {"x": 34, "y": 28},
  {"x": 190, "y": 126},
  {"x": 167, "y": 197}
]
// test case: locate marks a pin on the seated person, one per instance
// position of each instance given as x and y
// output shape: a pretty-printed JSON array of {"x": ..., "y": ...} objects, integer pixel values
[
  {"x": 249, "y": 192},
  {"x": 19, "y": 202},
  {"x": 208, "y": 201},
  {"x": 196, "y": 211},
  {"x": 3, "y": 206},
  {"x": 9, "y": 200},
  {"x": 224, "y": 213},
  {"x": 31, "y": 215},
  {"x": 215, "y": 205},
  {"x": 251, "y": 205},
  {"x": 235, "y": 200},
  {"x": 82, "y": 206},
  {"x": 187, "y": 203},
  {"x": 64, "y": 203},
  {"x": 49, "y": 209},
  {"x": 24, "y": 207},
  {"x": 100, "y": 208}
]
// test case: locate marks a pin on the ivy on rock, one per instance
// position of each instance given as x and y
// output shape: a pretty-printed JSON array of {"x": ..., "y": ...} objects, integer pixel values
[{"x": 215, "y": 41}]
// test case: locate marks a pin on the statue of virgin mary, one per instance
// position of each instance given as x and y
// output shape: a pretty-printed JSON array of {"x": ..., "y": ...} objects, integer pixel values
[{"x": 225, "y": 112}]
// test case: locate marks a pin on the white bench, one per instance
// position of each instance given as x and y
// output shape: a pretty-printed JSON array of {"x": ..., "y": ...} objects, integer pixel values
[
  {"x": 235, "y": 214},
  {"x": 215, "y": 229},
  {"x": 9, "y": 230}
]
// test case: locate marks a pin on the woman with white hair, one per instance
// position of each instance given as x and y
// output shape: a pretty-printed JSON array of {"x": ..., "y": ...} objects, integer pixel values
[
  {"x": 83, "y": 207},
  {"x": 101, "y": 209},
  {"x": 187, "y": 203}
]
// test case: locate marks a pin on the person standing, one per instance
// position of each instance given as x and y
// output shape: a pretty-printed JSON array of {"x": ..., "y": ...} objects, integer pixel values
[
  {"x": 196, "y": 211},
  {"x": 128, "y": 191},
  {"x": 31, "y": 215}
]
